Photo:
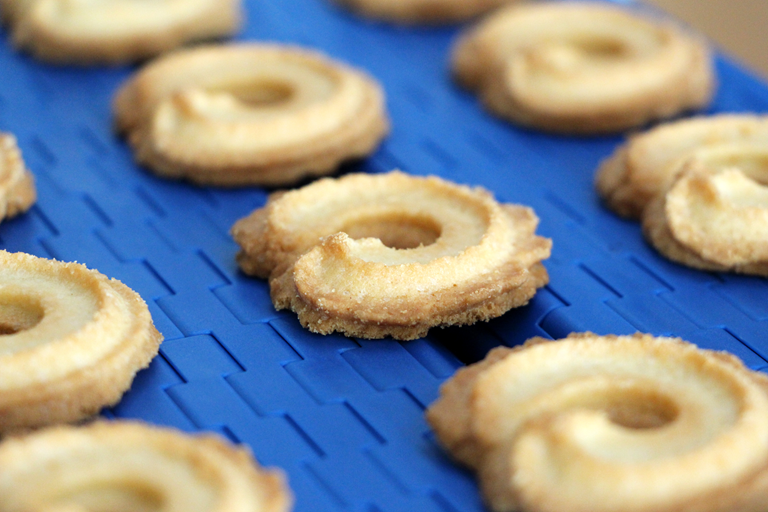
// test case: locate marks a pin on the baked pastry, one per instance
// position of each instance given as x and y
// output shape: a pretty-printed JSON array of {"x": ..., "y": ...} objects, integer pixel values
[
  {"x": 421, "y": 11},
  {"x": 582, "y": 68},
  {"x": 17, "y": 186},
  {"x": 114, "y": 31},
  {"x": 392, "y": 255},
  {"x": 713, "y": 221},
  {"x": 249, "y": 114},
  {"x": 608, "y": 423},
  {"x": 648, "y": 162},
  {"x": 72, "y": 341},
  {"x": 132, "y": 466}
]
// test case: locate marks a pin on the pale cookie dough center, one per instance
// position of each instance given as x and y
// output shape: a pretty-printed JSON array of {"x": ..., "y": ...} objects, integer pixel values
[
  {"x": 18, "y": 313},
  {"x": 396, "y": 230},
  {"x": 35, "y": 311}
]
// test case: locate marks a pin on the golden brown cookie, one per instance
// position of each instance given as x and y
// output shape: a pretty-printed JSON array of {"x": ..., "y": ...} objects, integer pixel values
[
  {"x": 713, "y": 220},
  {"x": 249, "y": 114},
  {"x": 130, "y": 466},
  {"x": 392, "y": 255},
  {"x": 582, "y": 68},
  {"x": 610, "y": 423},
  {"x": 112, "y": 31},
  {"x": 17, "y": 186},
  {"x": 72, "y": 341},
  {"x": 421, "y": 11},
  {"x": 648, "y": 162}
]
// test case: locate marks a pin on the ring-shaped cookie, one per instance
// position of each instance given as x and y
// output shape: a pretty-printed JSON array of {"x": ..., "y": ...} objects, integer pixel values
[
  {"x": 71, "y": 341},
  {"x": 714, "y": 216},
  {"x": 606, "y": 423},
  {"x": 432, "y": 12},
  {"x": 647, "y": 163},
  {"x": 17, "y": 186},
  {"x": 112, "y": 31},
  {"x": 130, "y": 466},
  {"x": 582, "y": 68},
  {"x": 249, "y": 114},
  {"x": 392, "y": 255}
]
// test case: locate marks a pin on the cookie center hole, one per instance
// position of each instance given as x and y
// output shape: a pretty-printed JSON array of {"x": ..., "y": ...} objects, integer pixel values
[
  {"x": 261, "y": 94},
  {"x": 114, "y": 498},
  {"x": 603, "y": 48},
  {"x": 396, "y": 230},
  {"x": 18, "y": 313},
  {"x": 642, "y": 410}
]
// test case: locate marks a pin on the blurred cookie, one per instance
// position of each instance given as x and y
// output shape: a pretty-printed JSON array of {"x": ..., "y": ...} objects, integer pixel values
[
  {"x": 421, "y": 11},
  {"x": 131, "y": 466},
  {"x": 249, "y": 114},
  {"x": 114, "y": 31},
  {"x": 17, "y": 186},
  {"x": 582, "y": 68}
]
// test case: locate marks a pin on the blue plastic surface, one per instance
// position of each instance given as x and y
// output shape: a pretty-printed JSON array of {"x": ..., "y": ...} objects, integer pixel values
[{"x": 344, "y": 417}]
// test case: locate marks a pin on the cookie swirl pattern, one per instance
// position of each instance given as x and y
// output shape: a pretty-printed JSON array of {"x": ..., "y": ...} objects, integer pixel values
[
  {"x": 608, "y": 423},
  {"x": 17, "y": 186},
  {"x": 713, "y": 220},
  {"x": 648, "y": 162},
  {"x": 392, "y": 254},
  {"x": 133, "y": 466},
  {"x": 700, "y": 189},
  {"x": 249, "y": 114},
  {"x": 582, "y": 68},
  {"x": 71, "y": 341},
  {"x": 113, "y": 31}
]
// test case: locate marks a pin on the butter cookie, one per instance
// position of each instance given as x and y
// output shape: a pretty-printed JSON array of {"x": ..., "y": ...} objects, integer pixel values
[
  {"x": 249, "y": 114},
  {"x": 713, "y": 220},
  {"x": 131, "y": 466},
  {"x": 582, "y": 68},
  {"x": 17, "y": 186},
  {"x": 607, "y": 423},
  {"x": 648, "y": 162},
  {"x": 71, "y": 341},
  {"x": 114, "y": 31},
  {"x": 392, "y": 254}
]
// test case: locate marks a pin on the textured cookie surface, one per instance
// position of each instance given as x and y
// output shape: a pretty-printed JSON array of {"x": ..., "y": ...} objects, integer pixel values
[
  {"x": 71, "y": 341},
  {"x": 392, "y": 254},
  {"x": 601, "y": 423}
]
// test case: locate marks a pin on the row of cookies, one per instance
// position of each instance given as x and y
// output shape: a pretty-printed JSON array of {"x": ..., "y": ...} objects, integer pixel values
[{"x": 74, "y": 339}]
